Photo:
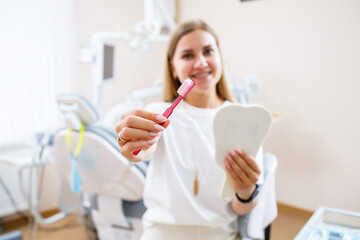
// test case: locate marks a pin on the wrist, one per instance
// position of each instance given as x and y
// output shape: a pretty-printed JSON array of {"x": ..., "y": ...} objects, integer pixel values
[
  {"x": 246, "y": 193},
  {"x": 250, "y": 197}
]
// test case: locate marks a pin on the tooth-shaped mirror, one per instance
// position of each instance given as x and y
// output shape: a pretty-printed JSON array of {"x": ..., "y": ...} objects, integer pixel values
[{"x": 236, "y": 125}]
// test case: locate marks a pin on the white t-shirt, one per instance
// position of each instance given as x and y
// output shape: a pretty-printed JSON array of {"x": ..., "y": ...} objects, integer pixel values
[{"x": 185, "y": 148}]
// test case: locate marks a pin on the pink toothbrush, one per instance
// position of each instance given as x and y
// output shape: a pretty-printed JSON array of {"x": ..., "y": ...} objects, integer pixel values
[{"x": 183, "y": 90}]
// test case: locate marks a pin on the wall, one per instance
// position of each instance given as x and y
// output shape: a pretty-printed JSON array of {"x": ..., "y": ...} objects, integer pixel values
[
  {"x": 306, "y": 55},
  {"x": 110, "y": 16}
]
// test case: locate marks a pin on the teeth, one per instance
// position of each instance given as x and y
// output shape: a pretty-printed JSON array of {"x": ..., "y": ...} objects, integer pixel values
[{"x": 201, "y": 75}]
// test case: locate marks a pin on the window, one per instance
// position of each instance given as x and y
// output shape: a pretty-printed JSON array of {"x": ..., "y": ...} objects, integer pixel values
[{"x": 36, "y": 63}]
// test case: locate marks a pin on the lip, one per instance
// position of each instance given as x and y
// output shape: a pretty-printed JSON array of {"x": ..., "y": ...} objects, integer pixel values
[{"x": 201, "y": 75}]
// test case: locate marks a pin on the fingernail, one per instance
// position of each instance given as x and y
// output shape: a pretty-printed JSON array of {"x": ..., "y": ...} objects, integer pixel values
[
  {"x": 154, "y": 134},
  {"x": 159, "y": 128},
  {"x": 227, "y": 165},
  {"x": 160, "y": 118},
  {"x": 229, "y": 158},
  {"x": 240, "y": 151},
  {"x": 151, "y": 141},
  {"x": 232, "y": 153}
]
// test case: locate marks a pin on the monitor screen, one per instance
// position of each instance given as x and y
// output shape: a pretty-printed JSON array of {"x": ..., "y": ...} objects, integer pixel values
[{"x": 108, "y": 62}]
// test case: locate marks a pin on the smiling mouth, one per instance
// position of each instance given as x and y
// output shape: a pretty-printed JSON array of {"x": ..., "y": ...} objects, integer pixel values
[{"x": 202, "y": 75}]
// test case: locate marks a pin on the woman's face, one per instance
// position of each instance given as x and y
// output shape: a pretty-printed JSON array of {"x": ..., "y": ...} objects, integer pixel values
[{"x": 197, "y": 57}]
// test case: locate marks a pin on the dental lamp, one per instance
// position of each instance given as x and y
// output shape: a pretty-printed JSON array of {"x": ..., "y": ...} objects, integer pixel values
[{"x": 139, "y": 36}]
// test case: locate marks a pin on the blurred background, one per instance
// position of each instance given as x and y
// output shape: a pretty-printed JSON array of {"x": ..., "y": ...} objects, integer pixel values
[{"x": 303, "y": 58}]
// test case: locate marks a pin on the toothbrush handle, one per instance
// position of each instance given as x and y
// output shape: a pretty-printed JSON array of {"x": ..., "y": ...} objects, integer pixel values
[
  {"x": 136, "y": 152},
  {"x": 166, "y": 114},
  {"x": 170, "y": 109}
]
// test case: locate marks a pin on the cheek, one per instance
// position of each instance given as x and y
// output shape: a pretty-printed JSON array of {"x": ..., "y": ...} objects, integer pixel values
[
  {"x": 182, "y": 68},
  {"x": 217, "y": 66}
]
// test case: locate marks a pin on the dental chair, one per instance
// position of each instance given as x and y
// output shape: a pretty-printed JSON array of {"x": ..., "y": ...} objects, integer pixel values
[
  {"x": 108, "y": 185},
  {"x": 257, "y": 224}
]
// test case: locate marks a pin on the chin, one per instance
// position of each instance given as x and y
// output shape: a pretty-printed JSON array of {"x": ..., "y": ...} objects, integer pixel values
[{"x": 204, "y": 88}]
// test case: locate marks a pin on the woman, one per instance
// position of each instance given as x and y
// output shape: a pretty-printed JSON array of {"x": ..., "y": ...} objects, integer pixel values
[{"x": 182, "y": 190}]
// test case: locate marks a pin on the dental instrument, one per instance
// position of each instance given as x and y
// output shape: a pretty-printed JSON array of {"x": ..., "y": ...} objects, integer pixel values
[{"x": 183, "y": 90}]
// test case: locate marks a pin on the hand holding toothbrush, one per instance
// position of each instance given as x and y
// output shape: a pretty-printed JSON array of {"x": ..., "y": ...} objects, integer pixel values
[
  {"x": 139, "y": 129},
  {"x": 143, "y": 128}
]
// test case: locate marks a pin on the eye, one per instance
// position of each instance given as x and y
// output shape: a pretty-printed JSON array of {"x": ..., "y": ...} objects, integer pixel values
[
  {"x": 209, "y": 51},
  {"x": 187, "y": 56}
]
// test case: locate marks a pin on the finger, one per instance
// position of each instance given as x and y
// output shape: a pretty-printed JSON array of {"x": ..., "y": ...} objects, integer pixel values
[
  {"x": 166, "y": 123},
  {"x": 244, "y": 171},
  {"x": 139, "y": 123},
  {"x": 123, "y": 138},
  {"x": 131, "y": 146},
  {"x": 238, "y": 183},
  {"x": 120, "y": 139},
  {"x": 237, "y": 155},
  {"x": 238, "y": 171},
  {"x": 158, "y": 118},
  {"x": 128, "y": 134},
  {"x": 249, "y": 160}
]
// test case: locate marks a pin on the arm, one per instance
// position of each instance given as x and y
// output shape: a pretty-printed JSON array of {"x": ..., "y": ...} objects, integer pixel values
[
  {"x": 244, "y": 208},
  {"x": 244, "y": 173},
  {"x": 139, "y": 129}
]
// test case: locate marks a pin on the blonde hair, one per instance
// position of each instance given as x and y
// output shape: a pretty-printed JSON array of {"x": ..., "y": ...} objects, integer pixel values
[{"x": 171, "y": 84}]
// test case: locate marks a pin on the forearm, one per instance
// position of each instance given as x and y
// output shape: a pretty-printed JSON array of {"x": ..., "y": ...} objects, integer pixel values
[{"x": 244, "y": 208}]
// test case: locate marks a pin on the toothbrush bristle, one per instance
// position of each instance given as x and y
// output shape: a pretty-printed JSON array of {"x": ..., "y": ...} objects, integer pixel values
[{"x": 185, "y": 87}]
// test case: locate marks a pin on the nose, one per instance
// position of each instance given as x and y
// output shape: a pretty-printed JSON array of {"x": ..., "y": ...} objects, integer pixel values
[{"x": 200, "y": 61}]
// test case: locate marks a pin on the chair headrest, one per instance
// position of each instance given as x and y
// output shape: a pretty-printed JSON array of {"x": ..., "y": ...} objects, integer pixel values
[{"x": 76, "y": 109}]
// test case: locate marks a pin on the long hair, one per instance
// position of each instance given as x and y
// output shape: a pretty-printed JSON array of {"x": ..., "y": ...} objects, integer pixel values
[{"x": 171, "y": 84}]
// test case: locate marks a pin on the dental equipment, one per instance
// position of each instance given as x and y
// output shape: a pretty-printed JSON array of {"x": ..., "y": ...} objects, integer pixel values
[
  {"x": 116, "y": 183},
  {"x": 158, "y": 21},
  {"x": 111, "y": 190}
]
